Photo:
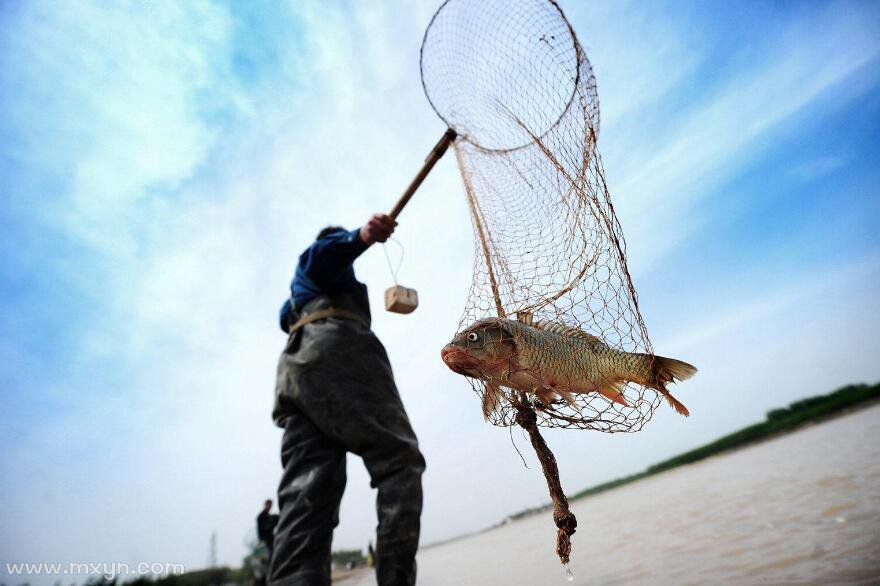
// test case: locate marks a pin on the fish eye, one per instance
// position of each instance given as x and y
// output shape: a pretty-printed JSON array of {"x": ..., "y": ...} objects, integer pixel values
[{"x": 473, "y": 337}]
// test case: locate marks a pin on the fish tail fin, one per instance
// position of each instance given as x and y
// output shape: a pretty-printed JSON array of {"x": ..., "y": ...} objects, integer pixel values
[
  {"x": 675, "y": 403},
  {"x": 667, "y": 370},
  {"x": 614, "y": 392},
  {"x": 491, "y": 399}
]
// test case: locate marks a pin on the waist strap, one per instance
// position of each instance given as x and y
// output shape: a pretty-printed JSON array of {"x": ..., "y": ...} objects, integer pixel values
[{"x": 324, "y": 314}]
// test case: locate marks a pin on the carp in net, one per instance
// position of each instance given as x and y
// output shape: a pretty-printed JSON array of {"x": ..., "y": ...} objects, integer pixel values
[{"x": 551, "y": 334}]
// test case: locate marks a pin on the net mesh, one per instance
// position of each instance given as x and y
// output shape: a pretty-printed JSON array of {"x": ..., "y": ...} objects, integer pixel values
[{"x": 512, "y": 80}]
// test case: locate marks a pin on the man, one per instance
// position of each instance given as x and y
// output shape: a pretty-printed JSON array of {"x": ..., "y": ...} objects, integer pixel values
[
  {"x": 266, "y": 522},
  {"x": 335, "y": 394}
]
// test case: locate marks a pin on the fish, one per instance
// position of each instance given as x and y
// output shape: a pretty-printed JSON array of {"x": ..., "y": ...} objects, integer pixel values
[{"x": 551, "y": 360}]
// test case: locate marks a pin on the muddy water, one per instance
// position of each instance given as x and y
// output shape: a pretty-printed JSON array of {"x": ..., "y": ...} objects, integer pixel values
[{"x": 800, "y": 509}]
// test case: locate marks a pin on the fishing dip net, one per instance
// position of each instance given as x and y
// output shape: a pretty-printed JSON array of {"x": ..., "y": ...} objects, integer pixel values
[{"x": 514, "y": 84}]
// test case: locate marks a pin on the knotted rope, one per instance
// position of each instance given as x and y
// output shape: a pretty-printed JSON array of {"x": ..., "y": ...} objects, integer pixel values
[{"x": 562, "y": 516}]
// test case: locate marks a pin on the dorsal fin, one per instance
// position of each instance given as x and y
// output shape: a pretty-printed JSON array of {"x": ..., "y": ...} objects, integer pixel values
[
  {"x": 564, "y": 330},
  {"x": 525, "y": 317}
]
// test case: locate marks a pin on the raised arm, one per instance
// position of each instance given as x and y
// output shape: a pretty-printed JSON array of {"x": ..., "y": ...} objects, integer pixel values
[{"x": 326, "y": 261}]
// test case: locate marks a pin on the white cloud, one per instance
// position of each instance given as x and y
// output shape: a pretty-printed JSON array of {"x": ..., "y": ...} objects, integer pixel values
[
  {"x": 125, "y": 115},
  {"x": 818, "y": 167}
]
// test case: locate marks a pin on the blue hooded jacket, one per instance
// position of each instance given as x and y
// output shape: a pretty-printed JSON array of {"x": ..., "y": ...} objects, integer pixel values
[{"x": 325, "y": 268}]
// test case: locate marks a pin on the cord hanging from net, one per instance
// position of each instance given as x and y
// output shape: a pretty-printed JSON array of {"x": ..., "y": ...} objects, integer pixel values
[{"x": 512, "y": 80}]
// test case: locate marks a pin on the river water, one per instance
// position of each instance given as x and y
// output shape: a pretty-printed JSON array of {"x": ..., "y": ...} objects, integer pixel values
[{"x": 800, "y": 509}]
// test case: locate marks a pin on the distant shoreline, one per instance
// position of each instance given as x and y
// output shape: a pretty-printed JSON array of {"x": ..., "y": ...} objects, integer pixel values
[{"x": 778, "y": 423}]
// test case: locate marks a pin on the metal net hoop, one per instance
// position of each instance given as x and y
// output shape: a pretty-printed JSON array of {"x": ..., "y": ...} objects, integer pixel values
[{"x": 503, "y": 73}]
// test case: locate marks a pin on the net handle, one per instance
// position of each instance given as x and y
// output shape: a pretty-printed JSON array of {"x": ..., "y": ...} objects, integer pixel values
[{"x": 435, "y": 155}]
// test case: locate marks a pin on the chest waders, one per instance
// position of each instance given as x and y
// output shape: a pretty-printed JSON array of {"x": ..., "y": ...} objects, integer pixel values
[{"x": 335, "y": 393}]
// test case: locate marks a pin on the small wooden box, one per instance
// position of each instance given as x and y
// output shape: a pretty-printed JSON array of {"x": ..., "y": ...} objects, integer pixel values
[{"x": 401, "y": 299}]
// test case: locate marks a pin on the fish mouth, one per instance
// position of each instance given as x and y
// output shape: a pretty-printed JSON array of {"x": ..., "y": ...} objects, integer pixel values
[{"x": 459, "y": 361}]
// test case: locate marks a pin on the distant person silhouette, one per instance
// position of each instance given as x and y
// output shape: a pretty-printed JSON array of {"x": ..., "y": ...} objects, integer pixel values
[{"x": 266, "y": 522}]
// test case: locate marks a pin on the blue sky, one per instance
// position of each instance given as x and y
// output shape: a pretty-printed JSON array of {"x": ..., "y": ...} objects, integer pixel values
[{"x": 162, "y": 164}]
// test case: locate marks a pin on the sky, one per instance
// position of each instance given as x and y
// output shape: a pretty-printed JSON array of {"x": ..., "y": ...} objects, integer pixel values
[{"x": 162, "y": 165}]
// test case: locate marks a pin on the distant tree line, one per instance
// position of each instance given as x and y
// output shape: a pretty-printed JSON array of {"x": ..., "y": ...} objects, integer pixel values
[{"x": 778, "y": 421}]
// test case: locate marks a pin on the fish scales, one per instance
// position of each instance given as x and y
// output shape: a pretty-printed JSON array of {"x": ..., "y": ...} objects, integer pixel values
[{"x": 574, "y": 360}]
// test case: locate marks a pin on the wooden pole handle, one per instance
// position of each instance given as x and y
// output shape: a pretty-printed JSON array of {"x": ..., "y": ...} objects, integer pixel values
[{"x": 430, "y": 161}]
